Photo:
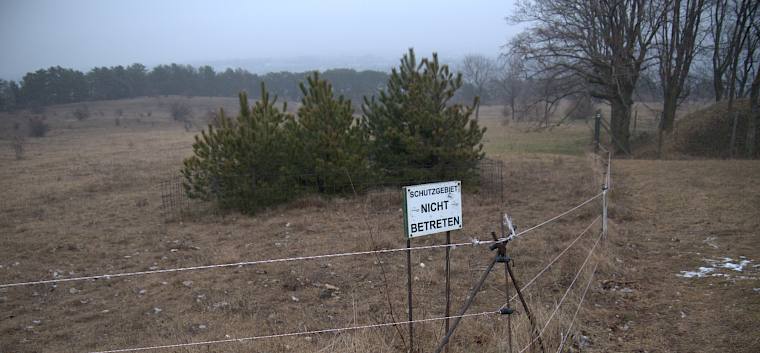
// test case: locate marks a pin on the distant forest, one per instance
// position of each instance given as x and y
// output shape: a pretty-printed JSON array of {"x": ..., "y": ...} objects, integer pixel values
[
  {"x": 497, "y": 85},
  {"x": 58, "y": 85}
]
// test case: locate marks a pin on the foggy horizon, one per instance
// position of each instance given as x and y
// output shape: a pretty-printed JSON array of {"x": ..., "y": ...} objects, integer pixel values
[{"x": 259, "y": 37}]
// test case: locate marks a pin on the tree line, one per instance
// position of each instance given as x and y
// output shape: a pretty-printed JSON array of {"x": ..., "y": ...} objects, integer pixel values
[{"x": 58, "y": 85}]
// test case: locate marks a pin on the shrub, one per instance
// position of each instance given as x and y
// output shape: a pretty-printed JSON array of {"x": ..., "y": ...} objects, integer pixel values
[
  {"x": 81, "y": 112},
  {"x": 415, "y": 131},
  {"x": 332, "y": 147},
  {"x": 244, "y": 164},
  {"x": 38, "y": 109},
  {"x": 707, "y": 132},
  {"x": 38, "y": 127},
  {"x": 212, "y": 118},
  {"x": 182, "y": 113},
  {"x": 18, "y": 146},
  {"x": 179, "y": 111},
  {"x": 412, "y": 132}
]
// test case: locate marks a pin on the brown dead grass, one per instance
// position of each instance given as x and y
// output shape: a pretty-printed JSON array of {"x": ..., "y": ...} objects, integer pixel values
[
  {"x": 86, "y": 201},
  {"x": 707, "y": 132},
  {"x": 673, "y": 215}
]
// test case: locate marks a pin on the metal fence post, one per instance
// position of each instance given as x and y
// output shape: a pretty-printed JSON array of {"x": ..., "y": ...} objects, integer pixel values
[
  {"x": 447, "y": 271},
  {"x": 409, "y": 293},
  {"x": 604, "y": 210},
  {"x": 597, "y": 130}
]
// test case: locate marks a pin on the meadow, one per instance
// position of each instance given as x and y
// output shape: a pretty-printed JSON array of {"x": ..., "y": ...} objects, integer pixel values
[{"x": 86, "y": 200}]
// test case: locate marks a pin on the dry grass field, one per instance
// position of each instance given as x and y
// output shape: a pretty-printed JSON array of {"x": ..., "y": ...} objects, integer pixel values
[
  {"x": 688, "y": 246},
  {"x": 85, "y": 201}
]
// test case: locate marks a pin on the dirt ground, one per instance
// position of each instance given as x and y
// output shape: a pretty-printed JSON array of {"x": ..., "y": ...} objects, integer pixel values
[
  {"x": 85, "y": 200},
  {"x": 676, "y": 216}
]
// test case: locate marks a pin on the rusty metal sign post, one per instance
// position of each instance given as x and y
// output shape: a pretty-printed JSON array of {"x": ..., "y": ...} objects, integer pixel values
[{"x": 430, "y": 209}]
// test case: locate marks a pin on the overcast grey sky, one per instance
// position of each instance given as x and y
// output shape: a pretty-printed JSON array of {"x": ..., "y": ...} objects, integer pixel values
[{"x": 86, "y": 33}]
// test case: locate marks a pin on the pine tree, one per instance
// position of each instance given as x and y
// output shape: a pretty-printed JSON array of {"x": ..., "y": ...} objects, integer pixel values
[
  {"x": 332, "y": 145},
  {"x": 244, "y": 164},
  {"x": 416, "y": 133}
]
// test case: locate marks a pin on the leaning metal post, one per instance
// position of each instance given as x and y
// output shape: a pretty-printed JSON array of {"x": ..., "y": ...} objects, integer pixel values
[
  {"x": 470, "y": 298},
  {"x": 502, "y": 255},
  {"x": 527, "y": 311}
]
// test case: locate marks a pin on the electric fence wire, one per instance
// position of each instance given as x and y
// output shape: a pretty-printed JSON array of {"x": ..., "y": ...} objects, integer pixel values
[
  {"x": 473, "y": 242},
  {"x": 564, "y": 296},
  {"x": 549, "y": 265},
  {"x": 296, "y": 333}
]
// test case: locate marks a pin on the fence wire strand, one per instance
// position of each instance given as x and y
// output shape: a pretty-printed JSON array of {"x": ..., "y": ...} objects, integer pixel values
[
  {"x": 564, "y": 296},
  {"x": 169, "y": 189},
  {"x": 549, "y": 265},
  {"x": 473, "y": 242},
  {"x": 297, "y": 333},
  {"x": 550, "y": 220},
  {"x": 580, "y": 303},
  {"x": 380, "y": 325},
  {"x": 235, "y": 264}
]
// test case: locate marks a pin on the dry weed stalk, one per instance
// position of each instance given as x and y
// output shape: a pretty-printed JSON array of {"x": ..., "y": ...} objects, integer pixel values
[{"x": 383, "y": 272}]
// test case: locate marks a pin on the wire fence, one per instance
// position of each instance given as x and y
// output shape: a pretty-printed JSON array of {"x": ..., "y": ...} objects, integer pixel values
[
  {"x": 490, "y": 174},
  {"x": 296, "y": 333},
  {"x": 524, "y": 287},
  {"x": 474, "y": 242}
]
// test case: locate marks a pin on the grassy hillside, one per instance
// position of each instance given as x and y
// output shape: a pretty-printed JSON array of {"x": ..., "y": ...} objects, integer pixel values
[{"x": 707, "y": 132}]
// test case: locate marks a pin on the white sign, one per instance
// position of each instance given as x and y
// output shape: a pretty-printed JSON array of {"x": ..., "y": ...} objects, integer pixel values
[{"x": 432, "y": 208}]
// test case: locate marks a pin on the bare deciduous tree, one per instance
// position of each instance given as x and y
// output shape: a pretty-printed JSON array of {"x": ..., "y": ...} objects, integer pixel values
[
  {"x": 731, "y": 23},
  {"x": 550, "y": 88},
  {"x": 509, "y": 82},
  {"x": 478, "y": 70},
  {"x": 676, "y": 45},
  {"x": 603, "y": 42},
  {"x": 754, "y": 101},
  {"x": 734, "y": 47}
]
